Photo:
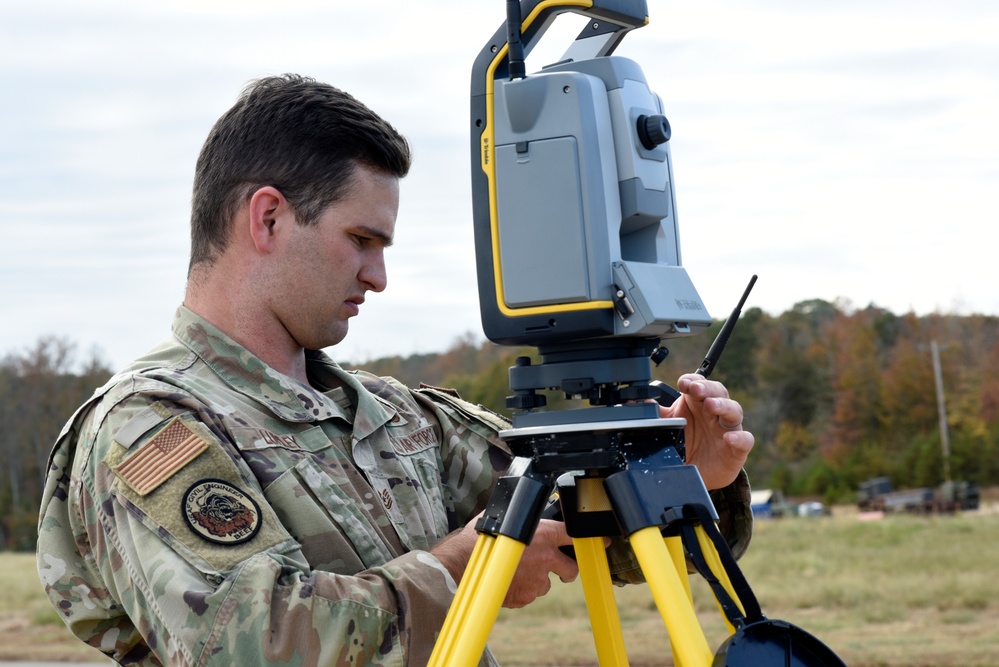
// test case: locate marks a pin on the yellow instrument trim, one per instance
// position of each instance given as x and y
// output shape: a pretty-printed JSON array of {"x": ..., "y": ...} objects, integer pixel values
[{"x": 487, "y": 164}]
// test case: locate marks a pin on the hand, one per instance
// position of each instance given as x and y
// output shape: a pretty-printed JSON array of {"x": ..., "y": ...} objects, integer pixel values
[
  {"x": 715, "y": 440},
  {"x": 540, "y": 557}
]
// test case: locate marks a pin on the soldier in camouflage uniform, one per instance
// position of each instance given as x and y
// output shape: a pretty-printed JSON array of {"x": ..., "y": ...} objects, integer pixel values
[{"x": 236, "y": 498}]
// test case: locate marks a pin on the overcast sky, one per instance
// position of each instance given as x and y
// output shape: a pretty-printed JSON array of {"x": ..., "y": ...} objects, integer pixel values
[{"x": 841, "y": 150}]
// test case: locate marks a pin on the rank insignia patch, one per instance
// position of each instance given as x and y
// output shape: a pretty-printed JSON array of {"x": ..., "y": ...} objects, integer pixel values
[{"x": 219, "y": 512}]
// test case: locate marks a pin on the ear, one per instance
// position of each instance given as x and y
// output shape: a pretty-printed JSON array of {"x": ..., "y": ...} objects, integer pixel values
[{"x": 267, "y": 207}]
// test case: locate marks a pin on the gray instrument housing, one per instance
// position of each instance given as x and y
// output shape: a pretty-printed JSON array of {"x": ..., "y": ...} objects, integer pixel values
[{"x": 587, "y": 212}]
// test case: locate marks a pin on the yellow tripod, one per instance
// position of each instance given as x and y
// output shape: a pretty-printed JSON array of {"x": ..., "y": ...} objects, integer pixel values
[{"x": 618, "y": 478}]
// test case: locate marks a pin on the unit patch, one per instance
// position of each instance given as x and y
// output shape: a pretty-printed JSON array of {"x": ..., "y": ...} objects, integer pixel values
[{"x": 219, "y": 512}]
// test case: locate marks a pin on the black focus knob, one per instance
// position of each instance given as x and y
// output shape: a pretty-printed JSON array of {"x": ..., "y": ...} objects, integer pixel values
[{"x": 653, "y": 130}]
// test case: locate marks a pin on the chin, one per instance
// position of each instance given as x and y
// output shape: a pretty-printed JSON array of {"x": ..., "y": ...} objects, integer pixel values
[
  {"x": 335, "y": 337},
  {"x": 322, "y": 340}
]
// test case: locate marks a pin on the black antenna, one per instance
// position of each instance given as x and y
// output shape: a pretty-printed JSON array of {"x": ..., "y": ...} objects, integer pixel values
[
  {"x": 515, "y": 49},
  {"x": 717, "y": 347}
]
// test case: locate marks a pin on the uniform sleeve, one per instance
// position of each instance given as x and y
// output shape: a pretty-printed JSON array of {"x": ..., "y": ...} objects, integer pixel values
[{"x": 177, "y": 558}]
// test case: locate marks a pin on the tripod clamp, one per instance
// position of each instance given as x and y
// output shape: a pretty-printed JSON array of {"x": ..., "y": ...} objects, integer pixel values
[{"x": 636, "y": 460}]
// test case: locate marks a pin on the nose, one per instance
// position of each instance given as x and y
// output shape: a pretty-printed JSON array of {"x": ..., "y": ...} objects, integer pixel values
[{"x": 373, "y": 274}]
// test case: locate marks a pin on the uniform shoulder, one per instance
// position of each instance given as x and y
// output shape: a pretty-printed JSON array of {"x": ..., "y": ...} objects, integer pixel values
[{"x": 450, "y": 401}]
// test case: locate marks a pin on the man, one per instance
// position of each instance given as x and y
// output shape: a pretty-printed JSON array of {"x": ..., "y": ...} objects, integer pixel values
[{"x": 235, "y": 497}]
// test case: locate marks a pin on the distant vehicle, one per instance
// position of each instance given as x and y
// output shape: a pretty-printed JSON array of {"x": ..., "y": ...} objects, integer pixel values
[
  {"x": 877, "y": 495},
  {"x": 769, "y": 504},
  {"x": 812, "y": 508}
]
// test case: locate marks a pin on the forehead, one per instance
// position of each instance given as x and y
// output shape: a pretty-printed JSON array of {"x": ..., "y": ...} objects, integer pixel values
[{"x": 372, "y": 202}]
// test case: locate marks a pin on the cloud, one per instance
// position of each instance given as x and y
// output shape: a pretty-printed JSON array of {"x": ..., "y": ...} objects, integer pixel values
[{"x": 843, "y": 149}]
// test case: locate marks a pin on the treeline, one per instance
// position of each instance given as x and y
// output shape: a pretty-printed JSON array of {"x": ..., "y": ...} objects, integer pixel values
[
  {"x": 39, "y": 389},
  {"x": 835, "y": 395}
]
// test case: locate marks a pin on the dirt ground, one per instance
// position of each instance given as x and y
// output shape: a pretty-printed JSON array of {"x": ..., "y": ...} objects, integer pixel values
[{"x": 22, "y": 640}]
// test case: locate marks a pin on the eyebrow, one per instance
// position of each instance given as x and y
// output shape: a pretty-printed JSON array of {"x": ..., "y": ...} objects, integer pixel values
[{"x": 381, "y": 236}]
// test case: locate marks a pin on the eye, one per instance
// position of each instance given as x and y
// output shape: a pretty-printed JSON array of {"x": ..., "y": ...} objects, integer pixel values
[{"x": 365, "y": 238}]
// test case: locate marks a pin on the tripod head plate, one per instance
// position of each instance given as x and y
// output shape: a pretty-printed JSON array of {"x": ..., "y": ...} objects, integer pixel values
[{"x": 595, "y": 427}]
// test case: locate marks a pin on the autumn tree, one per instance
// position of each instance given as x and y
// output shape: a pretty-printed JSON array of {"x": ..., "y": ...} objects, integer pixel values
[{"x": 855, "y": 363}]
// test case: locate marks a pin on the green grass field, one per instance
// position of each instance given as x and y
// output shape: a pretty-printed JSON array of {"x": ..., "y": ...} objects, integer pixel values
[{"x": 903, "y": 591}]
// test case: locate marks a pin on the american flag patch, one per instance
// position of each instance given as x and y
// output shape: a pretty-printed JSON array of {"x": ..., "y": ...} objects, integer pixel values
[{"x": 156, "y": 461}]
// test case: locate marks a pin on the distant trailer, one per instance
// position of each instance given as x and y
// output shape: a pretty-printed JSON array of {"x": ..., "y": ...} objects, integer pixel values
[{"x": 876, "y": 495}]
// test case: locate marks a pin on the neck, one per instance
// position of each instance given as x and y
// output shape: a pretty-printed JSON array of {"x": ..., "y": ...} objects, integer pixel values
[{"x": 234, "y": 307}]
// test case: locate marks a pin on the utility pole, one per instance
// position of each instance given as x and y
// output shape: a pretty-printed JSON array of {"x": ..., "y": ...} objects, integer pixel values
[{"x": 941, "y": 409}]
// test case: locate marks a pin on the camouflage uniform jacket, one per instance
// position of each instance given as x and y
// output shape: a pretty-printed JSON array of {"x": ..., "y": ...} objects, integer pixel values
[{"x": 203, "y": 509}]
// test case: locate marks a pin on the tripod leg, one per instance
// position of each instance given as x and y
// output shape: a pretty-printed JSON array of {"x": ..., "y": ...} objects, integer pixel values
[
  {"x": 675, "y": 547},
  {"x": 477, "y": 602},
  {"x": 459, "y": 606},
  {"x": 685, "y": 633},
  {"x": 595, "y": 575}
]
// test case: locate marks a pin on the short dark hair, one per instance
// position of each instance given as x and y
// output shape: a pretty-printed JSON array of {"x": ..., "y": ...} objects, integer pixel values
[{"x": 303, "y": 137}]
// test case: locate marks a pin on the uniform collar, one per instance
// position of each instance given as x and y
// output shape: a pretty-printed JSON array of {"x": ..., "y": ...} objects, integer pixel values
[
  {"x": 371, "y": 411},
  {"x": 286, "y": 397}
]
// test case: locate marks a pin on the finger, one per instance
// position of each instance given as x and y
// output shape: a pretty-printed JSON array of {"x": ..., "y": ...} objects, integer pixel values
[
  {"x": 552, "y": 532},
  {"x": 711, "y": 389},
  {"x": 565, "y": 568},
  {"x": 700, "y": 387},
  {"x": 740, "y": 442},
  {"x": 683, "y": 383},
  {"x": 521, "y": 595},
  {"x": 728, "y": 412}
]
